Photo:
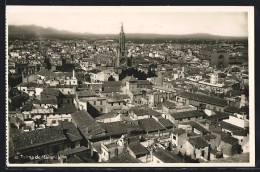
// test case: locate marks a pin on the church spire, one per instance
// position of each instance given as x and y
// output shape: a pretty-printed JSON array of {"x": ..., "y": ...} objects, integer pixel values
[
  {"x": 122, "y": 28},
  {"x": 122, "y": 39}
]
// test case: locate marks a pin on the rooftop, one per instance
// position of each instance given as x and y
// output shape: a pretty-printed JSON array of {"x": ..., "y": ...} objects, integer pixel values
[
  {"x": 71, "y": 131},
  {"x": 37, "y": 137},
  {"x": 204, "y": 98},
  {"x": 187, "y": 114},
  {"x": 66, "y": 109},
  {"x": 179, "y": 131},
  {"x": 124, "y": 157},
  {"x": 198, "y": 142},
  {"x": 150, "y": 124},
  {"x": 169, "y": 105},
  {"x": 165, "y": 122},
  {"x": 87, "y": 125},
  {"x": 194, "y": 124},
  {"x": 138, "y": 149},
  {"x": 218, "y": 116},
  {"x": 233, "y": 128},
  {"x": 167, "y": 157},
  {"x": 45, "y": 101},
  {"x": 225, "y": 137},
  {"x": 120, "y": 128}
]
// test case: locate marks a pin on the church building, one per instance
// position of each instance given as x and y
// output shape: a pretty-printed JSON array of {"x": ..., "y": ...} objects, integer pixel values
[{"x": 123, "y": 59}]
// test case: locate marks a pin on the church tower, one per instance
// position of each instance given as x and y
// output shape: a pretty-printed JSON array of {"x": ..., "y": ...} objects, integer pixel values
[
  {"x": 122, "y": 40},
  {"x": 122, "y": 60}
]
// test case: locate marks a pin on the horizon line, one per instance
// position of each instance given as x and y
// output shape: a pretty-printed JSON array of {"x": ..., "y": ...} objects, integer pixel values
[{"x": 61, "y": 30}]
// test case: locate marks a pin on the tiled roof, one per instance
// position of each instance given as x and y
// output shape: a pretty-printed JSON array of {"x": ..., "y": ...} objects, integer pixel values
[
  {"x": 112, "y": 83},
  {"x": 143, "y": 82},
  {"x": 124, "y": 157},
  {"x": 75, "y": 159},
  {"x": 133, "y": 139},
  {"x": 167, "y": 157},
  {"x": 87, "y": 125},
  {"x": 198, "y": 142},
  {"x": 187, "y": 114},
  {"x": 194, "y": 124},
  {"x": 28, "y": 84},
  {"x": 225, "y": 137},
  {"x": 165, "y": 122},
  {"x": 107, "y": 115},
  {"x": 218, "y": 116},
  {"x": 169, "y": 105},
  {"x": 179, "y": 131},
  {"x": 235, "y": 109},
  {"x": 111, "y": 89},
  {"x": 150, "y": 124},
  {"x": 50, "y": 91},
  {"x": 71, "y": 131},
  {"x": 144, "y": 111},
  {"x": 204, "y": 98},
  {"x": 138, "y": 149},
  {"x": 45, "y": 101},
  {"x": 66, "y": 109},
  {"x": 209, "y": 137},
  {"x": 120, "y": 128},
  {"x": 233, "y": 93},
  {"x": 38, "y": 137},
  {"x": 86, "y": 93},
  {"x": 233, "y": 128},
  {"x": 51, "y": 74},
  {"x": 116, "y": 97}
]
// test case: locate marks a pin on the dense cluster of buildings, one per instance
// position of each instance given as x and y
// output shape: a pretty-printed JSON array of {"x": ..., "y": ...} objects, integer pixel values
[{"x": 68, "y": 104}]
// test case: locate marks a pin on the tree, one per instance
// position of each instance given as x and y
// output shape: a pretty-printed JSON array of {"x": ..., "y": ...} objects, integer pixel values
[{"x": 111, "y": 78}]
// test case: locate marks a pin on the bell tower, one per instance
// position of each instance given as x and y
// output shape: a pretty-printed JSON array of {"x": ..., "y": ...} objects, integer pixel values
[
  {"x": 122, "y": 41},
  {"x": 121, "y": 58}
]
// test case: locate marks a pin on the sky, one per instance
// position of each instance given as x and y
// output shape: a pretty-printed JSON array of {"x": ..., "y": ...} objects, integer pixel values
[{"x": 160, "y": 20}]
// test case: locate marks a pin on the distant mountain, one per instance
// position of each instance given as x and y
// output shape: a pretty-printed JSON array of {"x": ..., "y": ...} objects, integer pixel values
[
  {"x": 39, "y": 31},
  {"x": 36, "y": 30}
]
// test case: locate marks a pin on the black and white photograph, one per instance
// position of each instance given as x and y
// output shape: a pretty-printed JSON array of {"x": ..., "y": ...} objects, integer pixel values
[{"x": 130, "y": 86}]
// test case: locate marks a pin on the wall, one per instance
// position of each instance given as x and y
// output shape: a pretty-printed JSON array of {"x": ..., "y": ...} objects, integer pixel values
[
  {"x": 29, "y": 78},
  {"x": 238, "y": 122}
]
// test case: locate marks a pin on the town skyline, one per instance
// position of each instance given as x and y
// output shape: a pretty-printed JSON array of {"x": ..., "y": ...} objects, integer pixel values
[{"x": 120, "y": 98}]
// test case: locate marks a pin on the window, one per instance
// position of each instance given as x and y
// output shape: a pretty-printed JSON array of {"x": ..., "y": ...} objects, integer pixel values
[
  {"x": 119, "y": 103},
  {"x": 202, "y": 153},
  {"x": 112, "y": 104},
  {"x": 94, "y": 102},
  {"x": 174, "y": 137},
  {"x": 68, "y": 101},
  {"x": 180, "y": 120},
  {"x": 101, "y": 102},
  {"x": 53, "y": 121},
  {"x": 101, "y": 109},
  {"x": 66, "y": 120},
  {"x": 241, "y": 140}
]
